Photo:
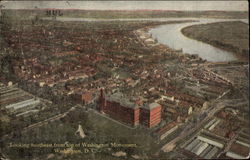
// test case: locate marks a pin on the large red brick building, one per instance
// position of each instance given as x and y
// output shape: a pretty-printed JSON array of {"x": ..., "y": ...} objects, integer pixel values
[
  {"x": 150, "y": 115},
  {"x": 122, "y": 109}
]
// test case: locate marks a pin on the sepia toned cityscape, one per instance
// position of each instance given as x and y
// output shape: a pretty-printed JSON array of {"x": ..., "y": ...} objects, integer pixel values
[{"x": 114, "y": 80}]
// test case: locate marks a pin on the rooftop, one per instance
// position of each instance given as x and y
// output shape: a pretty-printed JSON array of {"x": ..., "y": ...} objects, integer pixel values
[
  {"x": 151, "y": 106},
  {"x": 239, "y": 149},
  {"x": 120, "y": 98}
]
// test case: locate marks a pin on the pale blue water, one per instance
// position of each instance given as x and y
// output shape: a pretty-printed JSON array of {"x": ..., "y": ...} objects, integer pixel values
[{"x": 171, "y": 36}]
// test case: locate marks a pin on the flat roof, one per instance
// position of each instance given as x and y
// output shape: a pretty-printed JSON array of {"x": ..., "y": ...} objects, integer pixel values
[
  {"x": 151, "y": 106},
  {"x": 122, "y": 99},
  {"x": 239, "y": 149},
  {"x": 126, "y": 101}
]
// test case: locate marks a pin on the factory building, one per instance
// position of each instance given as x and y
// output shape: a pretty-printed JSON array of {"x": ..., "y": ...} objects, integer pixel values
[
  {"x": 123, "y": 109},
  {"x": 205, "y": 145},
  {"x": 16, "y": 102}
]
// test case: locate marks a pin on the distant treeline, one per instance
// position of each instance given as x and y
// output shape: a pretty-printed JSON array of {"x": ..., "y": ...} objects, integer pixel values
[
  {"x": 127, "y": 14},
  {"x": 232, "y": 36}
]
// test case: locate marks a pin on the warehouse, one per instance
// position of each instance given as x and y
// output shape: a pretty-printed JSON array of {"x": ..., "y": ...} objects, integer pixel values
[
  {"x": 17, "y": 107},
  {"x": 166, "y": 130},
  {"x": 238, "y": 151},
  {"x": 18, "y": 102},
  {"x": 205, "y": 145}
]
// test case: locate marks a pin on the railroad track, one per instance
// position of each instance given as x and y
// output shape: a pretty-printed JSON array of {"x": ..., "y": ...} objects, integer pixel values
[{"x": 172, "y": 144}]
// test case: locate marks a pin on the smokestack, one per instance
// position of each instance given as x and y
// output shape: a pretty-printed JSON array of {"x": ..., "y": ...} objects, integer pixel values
[
  {"x": 101, "y": 102},
  {"x": 101, "y": 96}
]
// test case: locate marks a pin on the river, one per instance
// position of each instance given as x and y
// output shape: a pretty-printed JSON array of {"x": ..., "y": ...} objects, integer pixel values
[{"x": 170, "y": 35}]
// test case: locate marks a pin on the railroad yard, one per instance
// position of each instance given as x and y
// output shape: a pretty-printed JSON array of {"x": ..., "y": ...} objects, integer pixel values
[{"x": 46, "y": 65}]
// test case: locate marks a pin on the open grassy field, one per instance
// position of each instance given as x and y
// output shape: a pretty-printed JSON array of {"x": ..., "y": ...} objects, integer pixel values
[
  {"x": 231, "y": 36},
  {"x": 98, "y": 130}
]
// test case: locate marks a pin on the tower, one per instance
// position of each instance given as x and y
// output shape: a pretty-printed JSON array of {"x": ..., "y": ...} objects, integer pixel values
[{"x": 101, "y": 101}]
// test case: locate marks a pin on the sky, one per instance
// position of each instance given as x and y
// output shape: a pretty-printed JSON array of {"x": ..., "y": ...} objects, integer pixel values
[{"x": 131, "y": 5}]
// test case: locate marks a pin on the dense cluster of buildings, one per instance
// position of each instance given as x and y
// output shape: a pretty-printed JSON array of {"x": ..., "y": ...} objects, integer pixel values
[
  {"x": 47, "y": 74},
  {"x": 81, "y": 62}
]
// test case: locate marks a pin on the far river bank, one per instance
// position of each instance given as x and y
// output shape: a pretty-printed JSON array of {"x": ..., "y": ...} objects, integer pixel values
[{"x": 230, "y": 36}]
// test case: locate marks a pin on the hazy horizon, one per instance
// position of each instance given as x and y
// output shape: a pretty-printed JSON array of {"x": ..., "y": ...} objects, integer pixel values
[{"x": 131, "y": 5}]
